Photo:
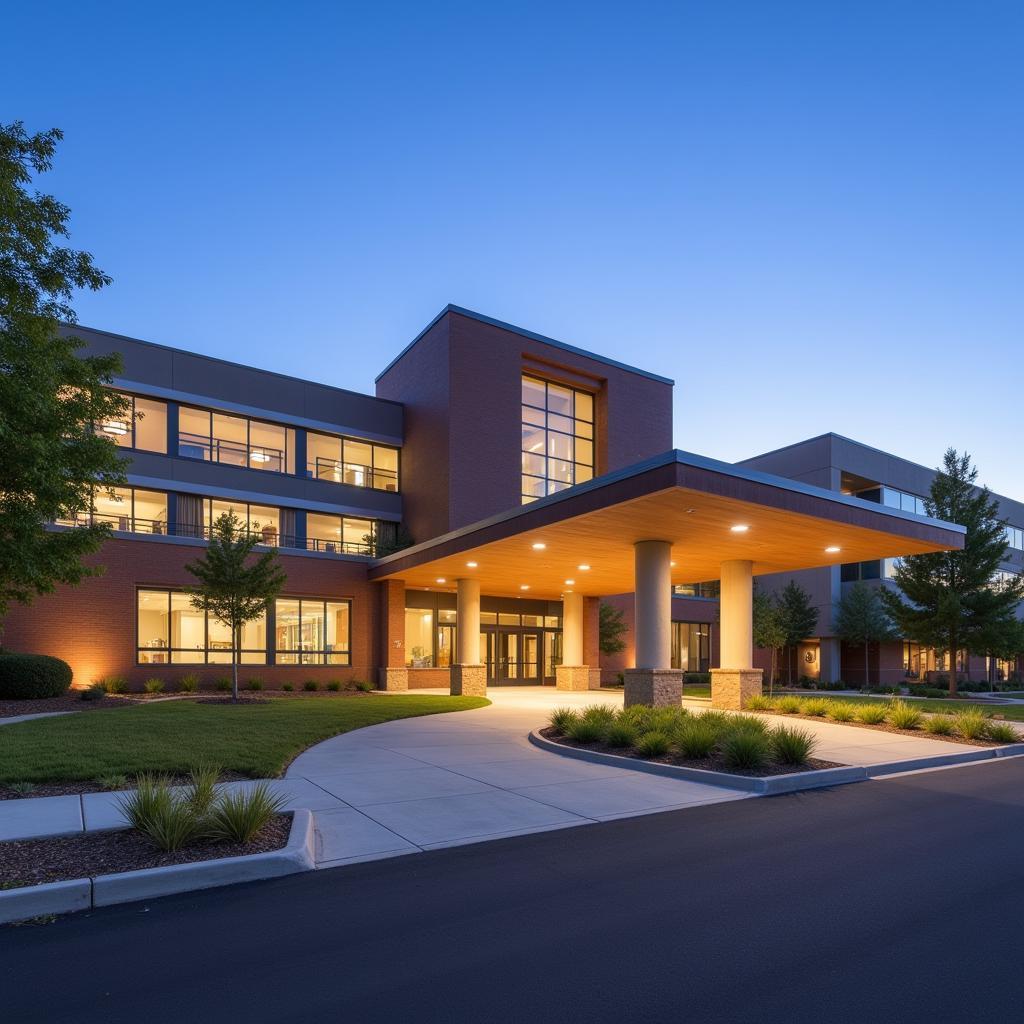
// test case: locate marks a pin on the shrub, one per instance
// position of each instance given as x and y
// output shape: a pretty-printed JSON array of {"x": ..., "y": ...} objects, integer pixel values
[
  {"x": 167, "y": 819},
  {"x": 222, "y": 684},
  {"x": 788, "y": 705},
  {"x": 311, "y": 686},
  {"x": 841, "y": 711},
  {"x": 585, "y": 730},
  {"x": 792, "y": 746},
  {"x": 972, "y": 725},
  {"x": 904, "y": 716},
  {"x": 202, "y": 788},
  {"x": 560, "y": 719},
  {"x": 743, "y": 748},
  {"x": 334, "y": 686},
  {"x": 153, "y": 685},
  {"x": 22, "y": 788},
  {"x": 601, "y": 714},
  {"x": 189, "y": 683},
  {"x": 653, "y": 744},
  {"x": 241, "y": 815},
  {"x": 94, "y": 692},
  {"x": 816, "y": 707},
  {"x": 32, "y": 676},
  {"x": 1002, "y": 732},
  {"x": 113, "y": 781},
  {"x": 696, "y": 678},
  {"x": 115, "y": 684},
  {"x": 759, "y": 702},
  {"x": 287, "y": 687},
  {"x": 939, "y": 725},
  {"x": 639, "y": 716},
  {"x": 363, "y": 686},
  {"x": 620, "y": 734},
  {"x": 873, "y": 713},
  {"x": 254, "y": 685},
  {"x": 666, "y": 720},
  {"x": 696, "y": 738}
]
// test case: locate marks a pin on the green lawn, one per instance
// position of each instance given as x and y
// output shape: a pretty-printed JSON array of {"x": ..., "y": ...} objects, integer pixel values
[
  {"x": 259, "y": 740},
  {"x": 1011, "y": 712}
]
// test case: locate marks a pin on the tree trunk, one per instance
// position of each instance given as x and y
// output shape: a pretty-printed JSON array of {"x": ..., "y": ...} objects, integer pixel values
[
  {"x": 789, "y": 666},
  {"x": 771, "y": 671},
  {"x": 234, "y": 666},
  {"x": 952, "y": 663},
  {"x": 867, "y": 671}
]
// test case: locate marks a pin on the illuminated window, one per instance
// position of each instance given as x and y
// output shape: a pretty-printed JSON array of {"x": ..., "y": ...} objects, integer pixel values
[
  {"x": 339, "y": 534},
  {"x": 312, "y": 631},
  {"x": 235, "y": 440},
  {"x": 419, "y": 638},
  {"x": 691, "y": 646},
  {"x": 142, "y": 426},
  {"x": 342, "y": 460},
  {"x": 557, "y": 438},
  {"x": 125, "y": 509}
]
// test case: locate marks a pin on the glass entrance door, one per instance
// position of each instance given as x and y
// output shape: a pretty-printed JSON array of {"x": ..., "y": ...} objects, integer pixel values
[{"x": 513, "y": 656}]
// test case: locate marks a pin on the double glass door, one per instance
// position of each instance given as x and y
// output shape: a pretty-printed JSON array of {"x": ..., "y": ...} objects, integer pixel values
[{"x": 513, "y": 656}]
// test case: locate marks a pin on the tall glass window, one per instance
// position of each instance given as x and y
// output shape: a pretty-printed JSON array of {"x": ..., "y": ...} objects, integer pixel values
[
  {"x": 691, "y": 646},
  {"x": 557, "y": 438},
  {"x": 126, "y": 509},
  {"x": 311, "y": 631},
  {"x": 419, "y": 638},
  {"x": 235, "y": 440},
  {"x": 171, "y": 632},
  {"x": 264, "y": 521},
  {"x": 339, "y": 534},
  {"x": 142, "y": 426},
  {"x": 343, "y": 460}
]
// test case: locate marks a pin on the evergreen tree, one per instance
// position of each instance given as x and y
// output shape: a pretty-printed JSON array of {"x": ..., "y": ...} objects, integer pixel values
[
  {"x": 611, "y": 626},
  {"x": 52, "y": 460},
  {"x": 799, "y": 619},
  {"x": 231, "y": 590},
  {"x": 769, "y": 629},
  {"x": 948, "y": 599},
  {"x": 860, "y": 619}
]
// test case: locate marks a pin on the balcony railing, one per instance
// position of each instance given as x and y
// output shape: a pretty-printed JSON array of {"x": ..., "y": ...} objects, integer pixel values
[
  {"x": 353, "y": 473},
  {"x": 231, "y": 453},
  {"x": 123, "y": 524}
]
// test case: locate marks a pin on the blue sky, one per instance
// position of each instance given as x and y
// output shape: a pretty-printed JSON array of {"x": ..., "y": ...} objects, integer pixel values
[{"x": 810, "y": 214}]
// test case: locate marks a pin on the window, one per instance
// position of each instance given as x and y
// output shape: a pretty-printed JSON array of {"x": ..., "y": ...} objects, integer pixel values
[
  {"x": 419, "y": 638},
  {"x": 125, "y": 509},
  {"x": 1014, "y": 538},
  {"x": 143, "y": 427},
  {"x": 903, "y": 501},
  {"x": 710, "y": 589},
  {"x": 343, "y": 460},
  {"x": 264, "y": 521},
  {"x": 851, "y": 572},
  {"x": 691, "y": 646},
  {"x": 557, "y": 438},
  {"x": 235, "y": 440},
  {"x": 446, "y": 638},
  {"x": 312, "y": 631},
  {"x": 340, "y": 534},
  {"x": 171, "y": 631}
]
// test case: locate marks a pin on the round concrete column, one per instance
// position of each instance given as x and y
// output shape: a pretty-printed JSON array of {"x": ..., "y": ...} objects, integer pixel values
[
  {"x": 468, "y": 626},
  {"x": 737, "y": 615},
  {"x": 653, "y": 586},
  {"x": 572, "y": 629}
]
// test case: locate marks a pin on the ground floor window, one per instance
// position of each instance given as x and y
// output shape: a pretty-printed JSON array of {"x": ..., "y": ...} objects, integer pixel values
[
  {"x": 171, "y": 631},
  {"x": 691, "y": 646},
  {"x": 311, "y": 632}
]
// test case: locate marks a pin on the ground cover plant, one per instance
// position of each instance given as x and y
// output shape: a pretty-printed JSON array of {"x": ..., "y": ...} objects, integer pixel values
[{"x": 714, "y": 740}]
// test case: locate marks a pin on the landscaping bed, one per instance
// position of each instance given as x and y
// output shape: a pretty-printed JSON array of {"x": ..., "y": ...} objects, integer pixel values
[
  {"x": 115, "y": 783},
  {"x": 713, "y": 741},
  {"x": 85, "y": 855},
  {"x": 69, "y": 702}
]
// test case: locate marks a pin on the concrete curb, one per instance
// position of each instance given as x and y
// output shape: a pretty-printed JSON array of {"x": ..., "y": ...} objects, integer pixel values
[
  {"x": 775, "y": 784},
  {"x": 50, "y": 898},
  {"x": 106, "y": 890}
]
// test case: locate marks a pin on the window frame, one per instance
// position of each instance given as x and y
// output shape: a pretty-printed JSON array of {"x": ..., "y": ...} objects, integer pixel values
[
  {"x": 209, "y": 442},
  {"x": 323, "y": 654},
  {"x": 342, "y": 462}
]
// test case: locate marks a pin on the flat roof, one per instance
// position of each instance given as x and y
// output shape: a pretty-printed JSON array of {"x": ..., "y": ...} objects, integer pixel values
[
  {"x": 686, "y": 499},
  {"x": 575, "y": 350}
]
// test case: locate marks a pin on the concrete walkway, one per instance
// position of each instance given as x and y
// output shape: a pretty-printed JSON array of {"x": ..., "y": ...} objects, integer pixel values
[{"x": 446, "y": 780}]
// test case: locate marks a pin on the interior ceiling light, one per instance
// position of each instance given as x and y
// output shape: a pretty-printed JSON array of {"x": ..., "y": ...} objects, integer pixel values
[
  {"x": 115, "y": 427},
  {"x": 259, "y": 457},
  {"x": 739, "y": 528}
]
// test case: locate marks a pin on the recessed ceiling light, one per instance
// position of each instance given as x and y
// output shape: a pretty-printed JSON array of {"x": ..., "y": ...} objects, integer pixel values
[
  {"x": 690, "y": 511},
  {"x": 440, "y": 579},
  {"x": 832, "y": 550},
  {"x": 739, "y": 528},
  {"x": 539, "y": 545},
  {"x": 672, "y": 564},
  {"x": 471, "y": 565},
  {"x": 524, "y": 586},
  {"x": 583, "y": 568},
  {"x": 570, "y": 583}
]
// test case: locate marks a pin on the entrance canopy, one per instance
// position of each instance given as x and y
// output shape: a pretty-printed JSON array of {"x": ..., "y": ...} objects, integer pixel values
[{"x": 582, "y": 540}]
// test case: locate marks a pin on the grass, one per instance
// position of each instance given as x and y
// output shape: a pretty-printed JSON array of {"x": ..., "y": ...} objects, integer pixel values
[{"x": 255, "y": 740}]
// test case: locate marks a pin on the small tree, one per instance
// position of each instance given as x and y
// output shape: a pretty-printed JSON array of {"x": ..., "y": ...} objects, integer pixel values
[
  {"x": 769, "y": 630},
  {"x": 231, "y": 590},
  {"x": 799, "y": 619},
  {"x": 947, "y": 599},
  {"x": 610, "y": 629},
  {"x": 51, "y": 458},
  {"x": 860, "y": 619}
]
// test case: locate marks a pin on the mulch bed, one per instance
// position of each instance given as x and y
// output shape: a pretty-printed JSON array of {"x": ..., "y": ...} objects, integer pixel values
[
  {"x": 76, "y": 788},
  {"x": 715, "y": 763},
  {"x": 247, "y": 696},
  {"x": 87, "y": 854},
  {"x": 69, "y": 702},
  {"x": 921, "y": 734}
]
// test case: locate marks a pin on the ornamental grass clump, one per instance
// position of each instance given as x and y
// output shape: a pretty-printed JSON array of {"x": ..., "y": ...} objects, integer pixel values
[
  {"x": 939, "y": 725},
  {"x": 872, "y": 714},
  {"x": 153, "y": 685},
  {"x": 586, "y": 730},
  {"x": 599, "y": 714},
  {"x": 241, "y": 816},
  {"x": 904, "y": 716},
  {"x": 115, "y": 684},
  {"x": 788, "y": 705},
  {"x": 745, "y": 749},
  {"x": 841, "y": 711},
  {"x": 760, "y": 702},
  {"x": 653, "y": 744},
  {"x": 620, "y": 734},
  {"x": 791, "y": 745},
  {"x": 639, "y": 716},
  {"x": 696, "y": 738},
  {"x": 189, "y": 683},
  {"x": 814, "y": 707},
  {"x": 971, "y": 725},
  {"x": 560, "y": 718},
  {"x": 165, "y": 817},
  {"x": 1002, "y": 732}
]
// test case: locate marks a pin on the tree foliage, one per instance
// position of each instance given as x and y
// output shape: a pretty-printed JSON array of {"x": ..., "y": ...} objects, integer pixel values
[
  {"x": 51, "y": 458},
  {"x": 799, "y": 618},
  {"x": 230, "y": 587},
  {"x": 861, "y": 620},
  {"x": 948, "y": 599},
  {"x": 611, "y": 626},
  {"x": 769, "y": 629}
]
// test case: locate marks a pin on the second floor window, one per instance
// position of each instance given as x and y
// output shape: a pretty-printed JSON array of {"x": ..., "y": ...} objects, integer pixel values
[
  {"x": 143, "y": 425},
  {"x": 339, "y": 534},
  {"x": 557, "y": 438},
  {"x": 342, "y": 460},
  {"x": 125, "y": 509},
  {"x": 235, "y": 440}
]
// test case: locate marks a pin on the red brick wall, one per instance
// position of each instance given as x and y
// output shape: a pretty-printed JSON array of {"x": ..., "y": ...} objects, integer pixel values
[{"x": 93, "y": 626}]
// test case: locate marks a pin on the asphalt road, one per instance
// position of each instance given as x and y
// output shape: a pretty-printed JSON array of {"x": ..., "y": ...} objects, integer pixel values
[{"x": 897, "y": 901}]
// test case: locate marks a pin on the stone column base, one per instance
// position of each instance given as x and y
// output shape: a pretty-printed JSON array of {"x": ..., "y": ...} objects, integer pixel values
[
  {"x": 469, "y": 680},
  {"x": 731, "y": 687},
  {"x": 393, "y": 679},
  {"x": 657, "y": 687},
  {"x": 572, "y": 677}
]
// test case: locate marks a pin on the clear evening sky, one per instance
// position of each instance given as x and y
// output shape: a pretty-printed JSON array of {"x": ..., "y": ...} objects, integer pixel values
[{"x": 809, "y": 214}]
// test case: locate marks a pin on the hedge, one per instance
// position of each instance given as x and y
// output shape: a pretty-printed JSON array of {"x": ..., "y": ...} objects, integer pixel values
[{"x": 28, "y": 676}]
